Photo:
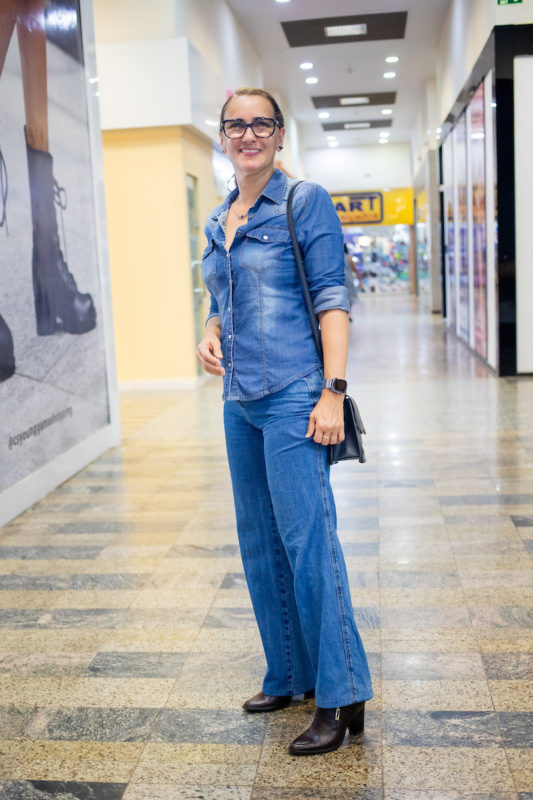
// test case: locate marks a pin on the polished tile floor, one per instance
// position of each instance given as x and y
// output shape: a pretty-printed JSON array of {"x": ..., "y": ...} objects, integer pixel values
[{"x": 127, "y": 641}]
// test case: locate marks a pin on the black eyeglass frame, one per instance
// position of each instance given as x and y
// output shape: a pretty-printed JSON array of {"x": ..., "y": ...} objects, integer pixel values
[{"x": 250, "y": 125}]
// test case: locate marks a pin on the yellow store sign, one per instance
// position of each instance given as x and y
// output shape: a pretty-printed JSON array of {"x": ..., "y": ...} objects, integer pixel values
[{"x": 393, "y": 207}]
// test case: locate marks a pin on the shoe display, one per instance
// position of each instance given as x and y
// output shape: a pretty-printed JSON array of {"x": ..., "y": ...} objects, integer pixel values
[
  {"x": 59, "y": 306},
  {"x": 7, "y": 355},
  {"x": 327, "y": 731},
  {"x": 268, "y": 702}
]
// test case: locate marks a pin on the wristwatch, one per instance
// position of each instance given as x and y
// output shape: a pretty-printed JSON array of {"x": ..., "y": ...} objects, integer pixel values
[{"x": 337, "y": 385}]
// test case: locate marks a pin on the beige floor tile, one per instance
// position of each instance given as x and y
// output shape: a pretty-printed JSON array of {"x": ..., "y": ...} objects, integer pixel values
[
  {"x": 85, "y": 692},
  {"x": 422, "y": 598},
  {"x": 458, "y": 768},
  {"x": 101, "y": 598},
  {"x": 180, "y": 774},
  {"x": 436, "y": 695},
  {"x": 512, "y": 695},
  {"x": 157, "y": 753},
  {"x": 69, "y": 761}
]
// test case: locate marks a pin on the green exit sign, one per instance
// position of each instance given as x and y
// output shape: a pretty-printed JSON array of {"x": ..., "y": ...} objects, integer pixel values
[{"x": 508, "y": 2}]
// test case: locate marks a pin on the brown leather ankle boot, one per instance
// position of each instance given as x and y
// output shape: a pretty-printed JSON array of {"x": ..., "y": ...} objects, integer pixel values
[{"x": 326, "y": 732}]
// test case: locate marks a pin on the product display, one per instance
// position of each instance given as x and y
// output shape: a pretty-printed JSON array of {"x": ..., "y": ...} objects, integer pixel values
[
  {"x": 7, "y": 356},
  {"x": 58, "y": 303}
]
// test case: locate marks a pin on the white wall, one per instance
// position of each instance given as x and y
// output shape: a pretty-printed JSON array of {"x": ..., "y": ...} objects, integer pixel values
[
  {"x": 523, "y": 81},
  {"x": 344, "y": 169},
  {"x": 466, "y": 28},
  {"x": 424, "y": 135},
  {"x": 209, "y": 24},
  {"x": 155, "y": 57}
]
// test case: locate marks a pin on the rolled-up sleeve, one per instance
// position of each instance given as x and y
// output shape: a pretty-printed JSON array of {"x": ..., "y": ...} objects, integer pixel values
[
  {"x": 213, "y": 308},
  {"x": 320, "y": 235}
]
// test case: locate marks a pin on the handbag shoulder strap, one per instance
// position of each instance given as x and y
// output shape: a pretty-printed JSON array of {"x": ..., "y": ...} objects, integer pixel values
[{"x": 298, "y": 257}]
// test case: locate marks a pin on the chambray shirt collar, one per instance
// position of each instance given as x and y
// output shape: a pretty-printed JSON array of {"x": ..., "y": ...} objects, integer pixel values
[{"x": 275, "y": 190}]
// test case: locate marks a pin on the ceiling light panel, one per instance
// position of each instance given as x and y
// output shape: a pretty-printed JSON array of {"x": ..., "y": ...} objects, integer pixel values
[
  {"x": 346, "y": 30},
  {"x": 364, "y": 123},
  {"x": 335, "y": 100},
  {"x": 310, "y": 32},
  {"x": 353, "y": 101}
]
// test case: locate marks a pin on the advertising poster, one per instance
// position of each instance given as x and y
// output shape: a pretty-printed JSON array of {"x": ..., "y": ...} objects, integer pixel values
[
  {"x": 459, "y": 133},
  {"x": 479, "y": 230},
  {"x": 53, "y": 375},
  {"x": 449, "y": 232}
]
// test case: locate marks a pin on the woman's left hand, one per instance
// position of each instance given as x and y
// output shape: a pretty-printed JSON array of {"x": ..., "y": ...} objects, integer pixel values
[{"x": 326, "y": 421}]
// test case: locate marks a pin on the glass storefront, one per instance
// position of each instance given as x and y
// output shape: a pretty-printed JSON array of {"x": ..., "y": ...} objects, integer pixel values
[{"x": 381, "y": 257}]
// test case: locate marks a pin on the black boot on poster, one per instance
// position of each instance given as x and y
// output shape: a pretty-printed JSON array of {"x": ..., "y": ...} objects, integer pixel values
[
  {"x": 7, "y": 355},
  {"x": 59, "y": 306},
  {"x": 326, "y": 732}
]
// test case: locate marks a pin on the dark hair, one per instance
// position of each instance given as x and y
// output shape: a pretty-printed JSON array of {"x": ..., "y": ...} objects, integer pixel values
[{"x": 245, "y": 91}]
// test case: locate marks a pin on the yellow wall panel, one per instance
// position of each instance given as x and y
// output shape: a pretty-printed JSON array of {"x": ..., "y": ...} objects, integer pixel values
[{"x": 149, "y": 248}]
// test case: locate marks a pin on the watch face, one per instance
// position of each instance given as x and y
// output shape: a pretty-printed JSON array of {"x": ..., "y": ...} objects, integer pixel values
[{"x": 340, "y": 385}]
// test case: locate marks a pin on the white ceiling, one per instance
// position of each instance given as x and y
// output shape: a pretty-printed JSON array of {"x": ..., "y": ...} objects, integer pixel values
[{"x": 348, "y": 68}]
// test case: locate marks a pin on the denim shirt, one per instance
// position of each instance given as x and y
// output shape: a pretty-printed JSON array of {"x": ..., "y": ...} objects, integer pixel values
[{"x": 255, "y": 289}]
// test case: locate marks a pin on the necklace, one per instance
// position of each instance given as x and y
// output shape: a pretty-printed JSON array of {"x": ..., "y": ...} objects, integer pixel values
[{"x": 239, "y": 216}]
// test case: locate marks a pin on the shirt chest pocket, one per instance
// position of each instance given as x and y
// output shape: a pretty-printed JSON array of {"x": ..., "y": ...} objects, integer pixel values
[
  {"x": 209, "y": 262},
  {"x": 264, "y": 247}
]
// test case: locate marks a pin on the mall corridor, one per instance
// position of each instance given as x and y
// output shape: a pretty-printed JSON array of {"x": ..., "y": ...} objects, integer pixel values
[{"x": 128, "y": 640}]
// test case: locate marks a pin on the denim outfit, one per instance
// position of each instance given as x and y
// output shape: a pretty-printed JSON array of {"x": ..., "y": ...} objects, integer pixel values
[{"x": 286, "y": 520}]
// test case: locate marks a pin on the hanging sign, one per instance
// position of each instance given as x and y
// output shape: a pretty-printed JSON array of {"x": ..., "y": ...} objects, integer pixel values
[
  {"x": 359, "y": 207},
  {"x": 381, "y": 207},
  {"x": 508, "y": 2}
]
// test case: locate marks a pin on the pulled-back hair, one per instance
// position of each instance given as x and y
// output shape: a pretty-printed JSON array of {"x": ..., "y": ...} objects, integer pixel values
[{"x": 278, "y": 113}]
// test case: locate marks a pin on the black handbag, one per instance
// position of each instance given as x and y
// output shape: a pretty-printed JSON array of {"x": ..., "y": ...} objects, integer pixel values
[{"x": 352, "y": 446}]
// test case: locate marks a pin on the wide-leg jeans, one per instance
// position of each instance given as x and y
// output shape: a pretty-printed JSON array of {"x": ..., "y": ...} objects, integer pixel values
[{"x": 293, "y": 562}]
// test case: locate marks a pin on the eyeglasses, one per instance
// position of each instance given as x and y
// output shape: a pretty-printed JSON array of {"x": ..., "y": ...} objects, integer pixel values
[{"x": 262, "y": 127}]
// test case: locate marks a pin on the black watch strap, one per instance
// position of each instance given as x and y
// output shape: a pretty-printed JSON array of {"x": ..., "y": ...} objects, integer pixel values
[{"x": 337, "y": 385}]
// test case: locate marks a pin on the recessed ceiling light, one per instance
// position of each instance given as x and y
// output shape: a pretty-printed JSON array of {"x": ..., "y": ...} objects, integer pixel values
[
  {"x": 392, "y": 59},
  {"x": 389, "y": 74},
  {"x": 283, "y": 1},
  {"x": 323, "y": 115},
  {"x": 306, "y": 65},
  {"x": 346, "y": 30},
  {"x": 311, "y": 79},
  {"x": 386, "y": 111},
  {"x": 384, "y": 133},
  {"x": 353, "y": 101},
  {"x": 383, "y": 141},
  {"x": 351, "y": 125},
  {"x": 331, "y": 138},
  {"x": 333, "y": 144}
]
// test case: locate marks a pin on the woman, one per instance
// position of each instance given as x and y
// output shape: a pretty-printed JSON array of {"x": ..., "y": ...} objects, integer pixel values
[{"x": 281, "y": 411}]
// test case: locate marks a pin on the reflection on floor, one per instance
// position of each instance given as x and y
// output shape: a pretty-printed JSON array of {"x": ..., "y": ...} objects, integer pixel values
[{"x": 128, "y": 643}]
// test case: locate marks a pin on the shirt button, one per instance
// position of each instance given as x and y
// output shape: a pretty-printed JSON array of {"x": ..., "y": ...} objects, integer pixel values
[
  {"x": 229, "y": 337},
  {"x": 265, "y": 237}
]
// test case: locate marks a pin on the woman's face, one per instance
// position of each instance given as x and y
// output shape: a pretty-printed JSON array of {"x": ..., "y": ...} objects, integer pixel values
[{"x": 251, "y": 154}]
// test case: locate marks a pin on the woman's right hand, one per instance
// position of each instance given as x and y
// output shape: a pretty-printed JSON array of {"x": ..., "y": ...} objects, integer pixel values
[{"x": 209, "y": 354}]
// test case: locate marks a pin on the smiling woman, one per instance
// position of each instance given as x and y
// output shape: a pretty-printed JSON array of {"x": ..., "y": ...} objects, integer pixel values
[{"x": 280, "y": 414}]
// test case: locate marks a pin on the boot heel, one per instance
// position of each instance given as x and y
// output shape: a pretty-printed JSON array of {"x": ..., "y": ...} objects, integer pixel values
[
  {"x": 357, "y": 725},
  {"x": 44, "y": 316}
]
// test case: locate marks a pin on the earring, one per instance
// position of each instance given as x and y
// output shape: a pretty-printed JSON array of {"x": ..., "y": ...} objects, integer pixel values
[{"x": 280, "y": 147}]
